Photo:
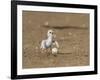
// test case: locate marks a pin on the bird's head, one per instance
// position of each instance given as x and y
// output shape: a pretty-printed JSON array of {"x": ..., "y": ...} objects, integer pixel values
[{"x": 50, "y": 33}]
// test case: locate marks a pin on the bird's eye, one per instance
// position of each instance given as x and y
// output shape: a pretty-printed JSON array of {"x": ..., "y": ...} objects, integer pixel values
[{"x": 50, "y": 32}]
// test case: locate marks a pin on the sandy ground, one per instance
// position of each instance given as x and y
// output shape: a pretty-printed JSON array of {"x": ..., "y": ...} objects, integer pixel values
[{"x": 72, "y": 32}]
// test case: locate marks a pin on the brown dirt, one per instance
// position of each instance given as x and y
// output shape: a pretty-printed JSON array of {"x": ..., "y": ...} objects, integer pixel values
[{"x": 72, "y": 30}]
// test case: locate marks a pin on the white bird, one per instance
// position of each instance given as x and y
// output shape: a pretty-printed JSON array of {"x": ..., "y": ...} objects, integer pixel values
[
  {"x": 50, "y": 43},
  {"x": 47, "y": 42}
]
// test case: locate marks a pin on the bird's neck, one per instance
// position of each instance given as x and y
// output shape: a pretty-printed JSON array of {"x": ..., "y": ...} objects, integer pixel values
[{"x": 50, "y": 38}]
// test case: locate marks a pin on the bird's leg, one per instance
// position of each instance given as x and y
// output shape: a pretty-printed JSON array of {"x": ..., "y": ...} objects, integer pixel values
[{"x": 48, "y": 51}]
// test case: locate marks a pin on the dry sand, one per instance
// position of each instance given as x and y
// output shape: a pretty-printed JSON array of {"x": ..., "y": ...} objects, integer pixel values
[{"x": 72, "y": 30}]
